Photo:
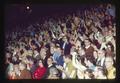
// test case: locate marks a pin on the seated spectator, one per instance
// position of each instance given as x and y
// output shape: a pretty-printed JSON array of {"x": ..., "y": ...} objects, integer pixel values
[
  {"x": 110, "y": 50},
  {"x": 99, "y": 73},
  {"x": 54, "y": 73},
  {"x": 10, "y": 71},
  {"x": 58, "y": 57},
  {"x": 110, "y": 68},
  {"x": 40, "y": 71},
  {"x": 68, "y": 70},
  {"x": 24, "y": 73},
  {"x": 66, "y": 46},
  {"x": 78, "y": 64},
  {"x": 50, "y": 65},
  {"x": 31, "y": 65},
  {"x": 95, "y": 54},
  {"x": 17, "y": 71},
  {"x": 101, "y": 58},
  {"x": 88, "y": 48}
]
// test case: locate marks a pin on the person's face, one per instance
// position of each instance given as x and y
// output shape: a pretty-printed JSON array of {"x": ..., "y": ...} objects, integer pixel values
[
  {"x": 87, "y": 75},
  {"x": 78, "y": 44},
  {"x": 87, "y": 43},
  {"x": 110, "y": 33},
  {"x": 100, "y": 73},
  {"x": 35, "y": 52},
  {"x": 16, "y": 68},
  {"x": 109, "y": 47},
  {"x": 43, "y": 52},
  {"x": 108, "y": 62},
  {"x": 65, "y": 39},
  {"x": 95, "y": 54},
  {"x": 52, "y": 50},
  {"x": 11, "y": 73},
  {"x": 81, "y": 52},
  {"x": 21, "y": 67},
  {"x": 101, "y": 54},
  {"x": 40, "y": 63},
  {"x": 7, "y": 55},
  {"x": 49, "y": 61},
  {"x": 66, "y": 59},
  {"x": 59, "y": 50}
]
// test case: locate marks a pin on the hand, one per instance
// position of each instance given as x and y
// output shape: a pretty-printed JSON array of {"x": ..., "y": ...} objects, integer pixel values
[{"x": 73, "y": 53}]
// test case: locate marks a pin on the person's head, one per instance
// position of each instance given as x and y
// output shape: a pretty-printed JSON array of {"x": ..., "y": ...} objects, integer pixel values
[
  {"x": 89, "y": 74},
  {"x": 43, "y": 52},
  {"x": 22, "y": 66},
  {"x": 14, "y": 59},
  {"x": 50, "y": 61},
  {"x": 95, "y": 54},
  {"x": 87, "y": 42},
  {"x": 99, "y": 71},
  {"x": 101, "y": 53},
  {"x": 109, "y": 5},
  {"x": 53, "y": 73},
  {"x": 8, "y": 55},
  {"x": 108, "y": 62},
  {"x": 52, "y": 44},
  {"x": 52, "y": 47},
  {"x": 81, "y": 52},
  {"x": 110, "y": 47},
  {"x": 16, "y": 69},
  {"x": 110, "y": 33},
  {"x": 67, "y": 58},
  {"x": 65, "y": 39},
  {"x": 78, "y": 44},
  {"x": 40, "y": 63}
]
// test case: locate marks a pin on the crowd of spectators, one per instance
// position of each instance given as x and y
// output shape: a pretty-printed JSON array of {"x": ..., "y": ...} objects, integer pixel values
[{"x": 80, "y": 45}]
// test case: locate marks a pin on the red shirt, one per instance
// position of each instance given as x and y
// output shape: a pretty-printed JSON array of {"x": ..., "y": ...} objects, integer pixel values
[{"x": 39, "y": 73}]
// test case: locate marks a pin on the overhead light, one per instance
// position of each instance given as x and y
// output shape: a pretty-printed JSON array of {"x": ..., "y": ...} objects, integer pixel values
[{"x": 28, "y": 7}]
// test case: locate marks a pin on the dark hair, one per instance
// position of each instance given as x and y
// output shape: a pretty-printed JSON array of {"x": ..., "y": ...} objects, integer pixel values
[
  {"x": 41, "y": 61},
  {"x": 82, "y": 58},
  {"x": 111, "y": 45},
  {"x": 89, "y": 40},
  {"x": 21, "y": 51},
  {"x": 68, "y": 56}
]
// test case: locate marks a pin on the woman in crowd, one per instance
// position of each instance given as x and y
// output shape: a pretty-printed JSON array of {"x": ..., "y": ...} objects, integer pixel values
[{"x": 40, "y": 71}]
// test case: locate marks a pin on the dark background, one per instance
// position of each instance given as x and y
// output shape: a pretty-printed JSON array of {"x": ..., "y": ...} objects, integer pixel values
[{"x": 19, "y": 15}]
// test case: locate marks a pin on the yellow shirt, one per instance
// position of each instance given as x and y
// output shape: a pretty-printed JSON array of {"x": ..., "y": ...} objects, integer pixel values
[
  {"x": 111, "y": 73},
  {"x": 71, "y": 69}
]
